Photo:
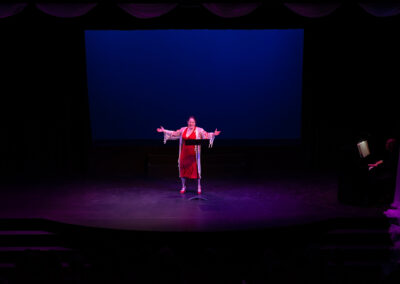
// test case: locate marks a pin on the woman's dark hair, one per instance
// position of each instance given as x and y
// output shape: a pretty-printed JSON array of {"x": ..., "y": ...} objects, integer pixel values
[{"x": 192, "y": 117}]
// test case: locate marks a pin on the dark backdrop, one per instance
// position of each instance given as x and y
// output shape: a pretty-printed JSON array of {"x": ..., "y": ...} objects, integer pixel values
[{"x": 350, "y": 75}]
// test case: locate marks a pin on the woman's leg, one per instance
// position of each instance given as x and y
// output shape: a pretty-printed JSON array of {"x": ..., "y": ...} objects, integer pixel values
[
  {"x": 183, "y": 185},
  {"x": 198, "y": 186}
]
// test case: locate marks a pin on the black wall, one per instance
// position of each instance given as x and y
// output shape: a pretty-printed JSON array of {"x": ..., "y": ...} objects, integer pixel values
[{"x": 350, "y": 83}]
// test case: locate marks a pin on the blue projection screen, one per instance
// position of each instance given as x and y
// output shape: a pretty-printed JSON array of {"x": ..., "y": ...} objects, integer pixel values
[{"x": 247, "y": 83}]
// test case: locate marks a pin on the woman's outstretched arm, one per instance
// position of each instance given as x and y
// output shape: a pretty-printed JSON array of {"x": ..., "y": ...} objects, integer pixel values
[
  {"x": 210, "y": 135},
  {"x": 170, "y": 134}
]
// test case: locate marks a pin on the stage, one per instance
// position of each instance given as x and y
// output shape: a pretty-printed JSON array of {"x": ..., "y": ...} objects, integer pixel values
[
  {"x": 144, "y": 204},
  {"x": 283, "y": 227}
]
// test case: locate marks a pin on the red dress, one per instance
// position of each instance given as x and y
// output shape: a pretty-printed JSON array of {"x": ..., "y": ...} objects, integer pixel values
[{"x": 187, "y": 162}]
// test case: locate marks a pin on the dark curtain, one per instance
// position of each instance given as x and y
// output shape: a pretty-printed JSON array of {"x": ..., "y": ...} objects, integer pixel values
[
  {"x": 313, "y": 10},
  {"x": 44, "y": 122},
  {"x": 225, "y": 10},
  {"x": 66, "y": 10},
  {"x": 145, "y": 11},
  {"x": 7, "y": 10},
  {"x": 232, "y": 10}
]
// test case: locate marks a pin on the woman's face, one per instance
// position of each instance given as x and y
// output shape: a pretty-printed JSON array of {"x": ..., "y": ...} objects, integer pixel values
[{"x": 191, "y": 123}]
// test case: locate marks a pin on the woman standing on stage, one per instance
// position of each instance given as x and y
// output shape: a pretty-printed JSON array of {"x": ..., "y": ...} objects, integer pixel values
[{"x": 189, "y": 155}]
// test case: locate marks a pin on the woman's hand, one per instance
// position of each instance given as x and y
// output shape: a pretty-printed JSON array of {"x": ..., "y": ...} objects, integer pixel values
[
  {"x": 161, "y": 129},
  {"x": 216, "y": 132},
  {"x": 371, "y": 166}
]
